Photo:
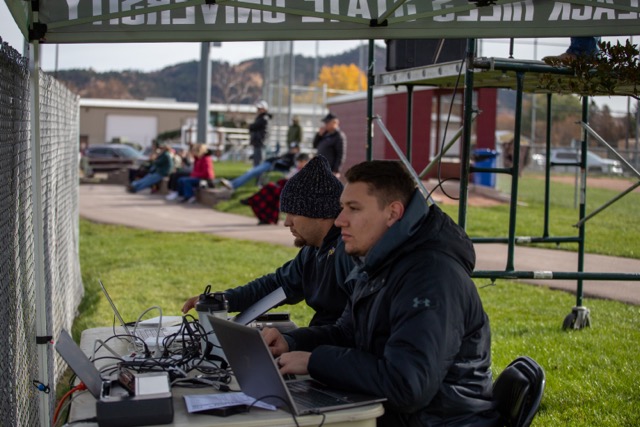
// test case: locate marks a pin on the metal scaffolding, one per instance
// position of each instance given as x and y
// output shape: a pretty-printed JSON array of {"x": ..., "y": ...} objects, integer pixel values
[{"x": 523, "y": 76}]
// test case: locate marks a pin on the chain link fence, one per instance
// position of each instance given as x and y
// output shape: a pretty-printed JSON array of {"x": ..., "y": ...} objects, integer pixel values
[{"x": 59, "y": 115}]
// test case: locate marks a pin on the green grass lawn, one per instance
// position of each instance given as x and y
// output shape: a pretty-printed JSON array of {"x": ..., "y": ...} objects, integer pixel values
[
  {"x": 615, "y": 231},
  {"x": 591, "y": 373}
]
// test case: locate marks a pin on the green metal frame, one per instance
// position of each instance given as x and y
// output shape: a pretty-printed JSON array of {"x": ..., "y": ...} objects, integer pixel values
[{"x": 580, "y": 315}]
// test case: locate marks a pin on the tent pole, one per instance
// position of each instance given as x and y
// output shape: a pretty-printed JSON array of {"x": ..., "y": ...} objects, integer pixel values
[
  {"x": 204, "y": 92},
  {"x": 465, "y": 160},
  {"x": 370, "y": 83},
  {"x": 43, "y": 348}
]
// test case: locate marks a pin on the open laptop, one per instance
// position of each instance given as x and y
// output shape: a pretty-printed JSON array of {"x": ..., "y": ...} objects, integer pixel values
[
  {"x": 258, "y": 376},
  {"x": 260, "y": 307},
  {"x": 80, "y": 364},
  {"x": 147, "y": 334}
]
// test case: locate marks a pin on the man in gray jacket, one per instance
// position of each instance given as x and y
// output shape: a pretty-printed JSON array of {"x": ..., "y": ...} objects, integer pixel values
[{"x": 414, "y": 330}]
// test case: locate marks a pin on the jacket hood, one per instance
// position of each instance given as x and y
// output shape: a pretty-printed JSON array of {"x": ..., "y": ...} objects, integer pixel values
[{"x": 421, "y": 226}]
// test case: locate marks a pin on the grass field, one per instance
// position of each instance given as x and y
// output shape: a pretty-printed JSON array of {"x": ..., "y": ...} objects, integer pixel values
[
  {"x": 615, "y": 231},
  {"x": 591, "y": 373}
]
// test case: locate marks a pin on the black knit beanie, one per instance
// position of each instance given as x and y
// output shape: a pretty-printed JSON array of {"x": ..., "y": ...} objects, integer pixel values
[{"x": 313, "y": 192}]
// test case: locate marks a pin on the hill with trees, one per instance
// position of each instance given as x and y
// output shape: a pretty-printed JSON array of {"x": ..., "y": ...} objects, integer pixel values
[{"x": 238, "y": 84}]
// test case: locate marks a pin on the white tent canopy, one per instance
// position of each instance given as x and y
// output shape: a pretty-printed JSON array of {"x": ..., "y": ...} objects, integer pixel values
[{"x": 86, "y": 21}]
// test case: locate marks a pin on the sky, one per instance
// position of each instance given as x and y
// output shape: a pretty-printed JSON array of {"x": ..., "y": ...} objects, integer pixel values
[{"x": 155, "y": 56}]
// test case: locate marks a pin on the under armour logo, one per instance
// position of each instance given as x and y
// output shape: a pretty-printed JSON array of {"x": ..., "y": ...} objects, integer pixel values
[{"x": 421, "y": 302}]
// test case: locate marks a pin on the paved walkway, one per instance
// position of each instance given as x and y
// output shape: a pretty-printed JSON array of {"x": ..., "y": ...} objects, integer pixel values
[{"x": 110, "y": 204}]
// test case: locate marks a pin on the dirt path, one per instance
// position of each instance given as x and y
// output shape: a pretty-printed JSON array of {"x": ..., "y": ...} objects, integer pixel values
[{"x": 616, "y": 184}]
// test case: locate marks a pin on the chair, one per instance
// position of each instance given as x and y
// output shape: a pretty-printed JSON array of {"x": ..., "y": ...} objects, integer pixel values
[{"x": 518, "y": 391}]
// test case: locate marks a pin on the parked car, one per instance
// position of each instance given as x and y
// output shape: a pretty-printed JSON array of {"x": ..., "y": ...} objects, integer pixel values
[
  {"x": 111, "y": 157},
  {"x": 563, "y": 160}
]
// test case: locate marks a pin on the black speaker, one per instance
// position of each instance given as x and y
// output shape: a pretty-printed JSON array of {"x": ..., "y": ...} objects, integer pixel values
[{"x": 411, "y": 53}]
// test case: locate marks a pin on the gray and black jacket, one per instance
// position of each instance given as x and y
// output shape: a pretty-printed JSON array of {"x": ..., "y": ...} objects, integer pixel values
[{"x": 414, "y": 330}]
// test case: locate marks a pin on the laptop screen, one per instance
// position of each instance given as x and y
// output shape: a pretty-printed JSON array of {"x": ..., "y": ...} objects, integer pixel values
[{"x": 79, "y": 363}]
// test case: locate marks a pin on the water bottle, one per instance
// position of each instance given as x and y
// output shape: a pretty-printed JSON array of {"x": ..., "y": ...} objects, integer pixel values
[{"x": 217, "y": 305}]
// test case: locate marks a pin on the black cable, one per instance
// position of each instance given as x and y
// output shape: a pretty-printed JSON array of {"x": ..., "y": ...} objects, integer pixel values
[
  {"x": 291, "y": 411},
  {"x": 86, "y": 420},
  {"x": 324, "y": 416},
  {"x": 444, "y": 135}
]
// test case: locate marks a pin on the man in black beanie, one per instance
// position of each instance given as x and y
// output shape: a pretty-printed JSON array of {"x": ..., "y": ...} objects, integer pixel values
[{"x": 311, "y": 201}]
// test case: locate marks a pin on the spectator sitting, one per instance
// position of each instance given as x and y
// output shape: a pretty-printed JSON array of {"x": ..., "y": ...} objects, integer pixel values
[
  {"x": 187, "y": 157},
  {"x": 282, "y": 163},
  {"x": 141, "y": 171},
  {"x": 160, "y": 168},
  {"x": 202, "y": 171},
  {"x": 265, "y": 203}
]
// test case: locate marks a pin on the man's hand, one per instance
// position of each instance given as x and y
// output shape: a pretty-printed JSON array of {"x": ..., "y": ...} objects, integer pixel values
[
  {"x": 189, "y": 304},
  {"x": 276, "y": 342},
  {"x": 296, "y": 362}
]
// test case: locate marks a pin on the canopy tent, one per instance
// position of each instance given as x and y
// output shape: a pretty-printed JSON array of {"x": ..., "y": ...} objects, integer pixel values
[
  {"x": 76, "y": 21},
  {"x": 109, "y": 21}
]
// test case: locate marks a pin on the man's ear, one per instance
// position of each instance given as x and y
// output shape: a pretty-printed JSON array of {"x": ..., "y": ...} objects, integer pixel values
[{"x": 396, "y": 211}]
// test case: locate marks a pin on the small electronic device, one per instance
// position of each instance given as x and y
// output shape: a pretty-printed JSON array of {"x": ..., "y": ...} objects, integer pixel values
[{"x": 132, "y": 400}]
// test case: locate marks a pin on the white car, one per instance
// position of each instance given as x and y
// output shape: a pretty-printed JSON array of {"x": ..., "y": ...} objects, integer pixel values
[{"x": 562, "y": 159}]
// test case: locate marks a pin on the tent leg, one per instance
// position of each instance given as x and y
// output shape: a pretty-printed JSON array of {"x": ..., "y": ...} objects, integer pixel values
[{"x": 43, "y": 348}]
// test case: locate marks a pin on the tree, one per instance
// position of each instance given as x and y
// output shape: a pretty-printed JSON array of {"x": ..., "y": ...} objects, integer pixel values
[
  {"x": 610, "y": 128},
  {"x": 342, "y": 77}
]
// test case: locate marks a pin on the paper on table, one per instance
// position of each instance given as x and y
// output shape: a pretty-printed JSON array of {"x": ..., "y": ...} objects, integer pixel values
[{"x": 202, "y": 402}]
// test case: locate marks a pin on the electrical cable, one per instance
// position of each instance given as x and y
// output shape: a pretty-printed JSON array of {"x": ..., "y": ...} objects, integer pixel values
[
  {"x": 270, "y": 396},
  {"x": 135, "y": 326},
  {"x": 79, "y": 387},
  {"x": 444, "y": 135}
]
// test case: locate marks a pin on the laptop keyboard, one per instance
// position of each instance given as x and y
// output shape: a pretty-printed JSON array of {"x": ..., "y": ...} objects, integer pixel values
[
  {"x": 146, "y": 333},
  {"x": 307, "y": 396}
]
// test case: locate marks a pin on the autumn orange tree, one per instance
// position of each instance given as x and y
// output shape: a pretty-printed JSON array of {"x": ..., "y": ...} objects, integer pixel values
[{"x": 342, "y": 77}]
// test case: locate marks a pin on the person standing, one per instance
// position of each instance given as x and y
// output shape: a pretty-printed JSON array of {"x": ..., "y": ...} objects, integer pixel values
[
  {"x": 258, "y": 131},
  {"x": 414, "y": 330},
  {"x": 579, "y": 47},
  {"x": 331, "y": 143},
  {"x": 294, "y": 133}
]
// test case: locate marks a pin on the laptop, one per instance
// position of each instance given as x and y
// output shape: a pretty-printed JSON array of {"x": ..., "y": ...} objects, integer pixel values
[
  {"x": 146, "y": 334},
  {"x": 143, "y": 399},
  {"x": 80, "y": 364},
  {"x": 261, "y": 306},
  {"x": 258, "y": 376}
]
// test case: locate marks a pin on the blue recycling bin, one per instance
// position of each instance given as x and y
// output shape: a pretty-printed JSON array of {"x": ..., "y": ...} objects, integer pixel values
[{"x": 484, "y": 158}]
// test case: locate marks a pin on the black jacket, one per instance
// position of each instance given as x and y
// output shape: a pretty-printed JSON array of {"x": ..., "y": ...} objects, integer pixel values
[
  {"x": 258, "y": 129},
  {"x": 333, "y": 146},
  {"x": 314, "y": 275},
  {"x": 414, "y": 330},
  {"x": 283, "y": 163}
]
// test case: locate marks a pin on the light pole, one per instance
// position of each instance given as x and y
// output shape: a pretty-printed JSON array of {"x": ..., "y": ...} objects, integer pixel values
[{"x": 204, "y": 92}]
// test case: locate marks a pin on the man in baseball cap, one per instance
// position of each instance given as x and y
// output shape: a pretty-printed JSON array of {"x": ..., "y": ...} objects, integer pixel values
[
  {"x": 331, "y": 142},
  {"x": 258, "y": 131}
]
